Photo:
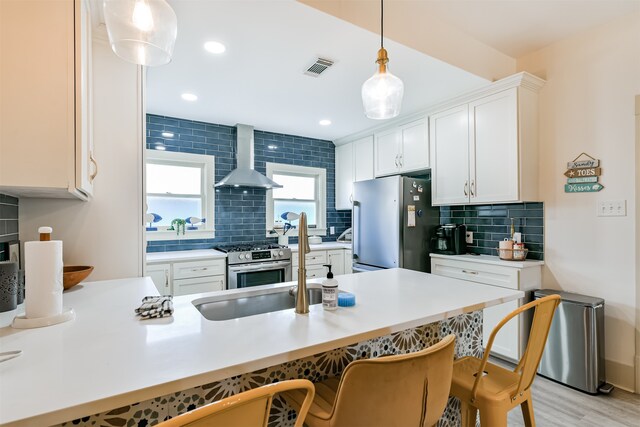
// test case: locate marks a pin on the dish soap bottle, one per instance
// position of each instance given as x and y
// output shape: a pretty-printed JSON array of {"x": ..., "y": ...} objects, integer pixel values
[{"x": 329, "y": 291}]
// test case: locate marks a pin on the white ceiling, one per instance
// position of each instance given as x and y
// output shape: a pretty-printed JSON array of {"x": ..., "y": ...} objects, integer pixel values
[
  {"x": 518, "y": 27},
  {"x": 259, "y": 80}
]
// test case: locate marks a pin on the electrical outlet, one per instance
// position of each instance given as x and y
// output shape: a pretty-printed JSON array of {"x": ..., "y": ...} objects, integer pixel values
[
  {"x": 470, "y": 237},
  {"x": 332, "y": 230},
  {"x": 612, "y": 208}
]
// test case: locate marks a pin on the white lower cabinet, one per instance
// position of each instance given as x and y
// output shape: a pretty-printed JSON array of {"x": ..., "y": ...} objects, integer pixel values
[
  {"x": 336, "y": 260},
  {"x": 317, "y": 259},
  {"x": 511, "y": 341},
  {"x": 189, "y": 277},
  {"x": 198, "y": 285},
  {"x": 348, "y": 261},
  {"x": 161, "y": 276}
]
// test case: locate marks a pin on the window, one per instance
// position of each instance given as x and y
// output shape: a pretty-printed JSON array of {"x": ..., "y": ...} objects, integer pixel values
[
  {"x": 303, "y": 190},
  {"x": 179, "y": 185}
]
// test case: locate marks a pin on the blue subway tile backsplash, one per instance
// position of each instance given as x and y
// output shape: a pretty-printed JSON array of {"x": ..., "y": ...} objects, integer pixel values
[
  {"x": 240, "y": 216},
  {"x": 8, "y": 224},
  {"x": 492, "y": 223}
]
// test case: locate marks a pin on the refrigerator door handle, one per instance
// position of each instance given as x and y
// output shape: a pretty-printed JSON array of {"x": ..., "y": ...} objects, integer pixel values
[{"x": 356, "y": 226}]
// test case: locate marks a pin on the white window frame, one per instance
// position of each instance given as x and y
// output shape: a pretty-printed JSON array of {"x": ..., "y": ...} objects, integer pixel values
[
  {"x": 320, "y": 175},
  {"x": 207, "y": 163}
]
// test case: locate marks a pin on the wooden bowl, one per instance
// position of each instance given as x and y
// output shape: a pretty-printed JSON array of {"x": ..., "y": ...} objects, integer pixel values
[{"x": 74, "y": 274}]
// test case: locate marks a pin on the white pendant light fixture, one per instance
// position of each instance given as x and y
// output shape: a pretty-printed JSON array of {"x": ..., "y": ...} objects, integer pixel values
[
  {"x": 141, "y": 31},
  {"x": 382, "y": 93}
]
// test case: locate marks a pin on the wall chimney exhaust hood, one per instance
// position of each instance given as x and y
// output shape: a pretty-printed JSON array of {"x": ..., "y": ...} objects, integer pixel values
[{"x": 244, "y": 175}]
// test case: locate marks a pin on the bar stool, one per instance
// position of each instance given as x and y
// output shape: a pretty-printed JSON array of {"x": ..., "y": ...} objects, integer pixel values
[
  {"x": 250, "y": 408},
  {"x": 400, "y": 390},
  {"x": 498, "y": 390}
]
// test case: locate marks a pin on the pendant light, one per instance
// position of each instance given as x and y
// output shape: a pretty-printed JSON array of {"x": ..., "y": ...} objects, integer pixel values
[
  {"x": 382, "y": 93},
  {"x": 141, "y": 31}
]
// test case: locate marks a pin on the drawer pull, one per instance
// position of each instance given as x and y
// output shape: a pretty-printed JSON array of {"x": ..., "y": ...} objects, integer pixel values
[
  {"x": 200, "y": 269},
  {"x": 469, "y": 272}
]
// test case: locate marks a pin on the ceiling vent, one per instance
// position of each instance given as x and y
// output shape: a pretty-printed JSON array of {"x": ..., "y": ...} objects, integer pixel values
[{"x": 318, "y": 67}]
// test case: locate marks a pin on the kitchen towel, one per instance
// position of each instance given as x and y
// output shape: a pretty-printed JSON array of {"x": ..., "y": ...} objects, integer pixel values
[
  {"x": 155, "y": 307},
  {"x": 8, "y": 286},
  {"x": 43, "y": 278}
]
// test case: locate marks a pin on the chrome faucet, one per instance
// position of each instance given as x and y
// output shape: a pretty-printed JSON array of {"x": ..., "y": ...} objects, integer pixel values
[{"x": 302, "y": 299}]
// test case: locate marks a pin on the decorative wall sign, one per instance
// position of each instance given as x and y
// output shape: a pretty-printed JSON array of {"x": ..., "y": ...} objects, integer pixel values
[
  {"x": 589, "y": 163},
  {"x": 582, "y": 173},
  {"x": 582, "y": 188},
  {"x": 582, "y": 180},
  {"x": 575, "y": 173}
]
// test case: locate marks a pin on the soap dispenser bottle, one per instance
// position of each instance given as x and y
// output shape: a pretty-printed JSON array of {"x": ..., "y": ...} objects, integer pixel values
[{"x": 329, "y": 291}]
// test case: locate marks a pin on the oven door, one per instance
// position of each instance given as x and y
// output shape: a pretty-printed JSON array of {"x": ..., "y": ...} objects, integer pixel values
[{"x": 260, "y": 273}]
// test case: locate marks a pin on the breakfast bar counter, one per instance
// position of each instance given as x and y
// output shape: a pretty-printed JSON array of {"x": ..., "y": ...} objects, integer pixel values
[{"x": 109, "y": 363}]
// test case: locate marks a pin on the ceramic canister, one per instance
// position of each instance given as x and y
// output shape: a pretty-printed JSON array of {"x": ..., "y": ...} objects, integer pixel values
[{"x": 8, "y": 286}]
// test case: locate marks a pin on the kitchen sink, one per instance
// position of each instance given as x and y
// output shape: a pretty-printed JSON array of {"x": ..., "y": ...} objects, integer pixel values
[{"x": 216, "y": 308}]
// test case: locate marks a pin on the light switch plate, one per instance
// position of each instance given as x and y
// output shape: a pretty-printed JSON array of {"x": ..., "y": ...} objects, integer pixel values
[
  {"x": 332, "y": 230},
  {"x": 469, "y": 237},
  {"x": 612, "y": 208}
]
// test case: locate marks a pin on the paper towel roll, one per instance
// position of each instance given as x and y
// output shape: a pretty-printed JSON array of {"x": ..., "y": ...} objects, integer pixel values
[{"x": 43, "y": 278}]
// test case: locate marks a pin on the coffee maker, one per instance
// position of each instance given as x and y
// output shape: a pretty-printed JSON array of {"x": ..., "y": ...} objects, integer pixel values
[{"x": 449, "y": 239}]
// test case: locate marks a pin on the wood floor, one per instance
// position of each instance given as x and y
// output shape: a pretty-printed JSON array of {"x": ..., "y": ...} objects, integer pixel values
[{"x": 557, "y": 405}]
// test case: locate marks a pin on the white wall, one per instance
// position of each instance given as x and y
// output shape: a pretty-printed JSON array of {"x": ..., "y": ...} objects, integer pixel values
[
  {"x": 107, "y": 231},
  {"x": 588, "y": 106}
]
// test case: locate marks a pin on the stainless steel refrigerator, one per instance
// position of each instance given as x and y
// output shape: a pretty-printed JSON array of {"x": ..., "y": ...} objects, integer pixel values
[{"x": 393, "y": 221}]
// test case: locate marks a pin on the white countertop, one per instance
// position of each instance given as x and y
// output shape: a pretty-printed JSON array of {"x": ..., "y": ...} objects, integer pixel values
[
  {"x": 107, "y": 358},
  {"x": 324, "y": 246},
  {"x": 488, "y": 259},
  {"x": 195, "y": 255}
]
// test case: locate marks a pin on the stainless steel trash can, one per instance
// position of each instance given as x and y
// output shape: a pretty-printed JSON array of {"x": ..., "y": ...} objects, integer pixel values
[{"x": 574, "y": 354}]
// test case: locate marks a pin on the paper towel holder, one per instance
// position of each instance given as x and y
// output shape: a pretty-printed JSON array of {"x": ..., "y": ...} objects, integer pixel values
[{"x": 22, "y": 322}]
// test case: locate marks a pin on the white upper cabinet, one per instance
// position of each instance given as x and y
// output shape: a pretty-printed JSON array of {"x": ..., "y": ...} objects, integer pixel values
[
  {"x": 450, "y": 156},
  {"x": 404, "y": 148},
  {"x": 493, "y": 147},
  {"x": 486, "y": 150},
  {"x": 354, "y": 162},
  {"x": 45, "y": 126}
]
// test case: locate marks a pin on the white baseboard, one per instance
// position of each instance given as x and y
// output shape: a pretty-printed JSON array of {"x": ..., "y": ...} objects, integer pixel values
[{"x": 622, "y": 376}]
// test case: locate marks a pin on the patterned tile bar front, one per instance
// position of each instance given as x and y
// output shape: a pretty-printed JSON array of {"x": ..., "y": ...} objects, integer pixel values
[{"x": 466, "y": 327}]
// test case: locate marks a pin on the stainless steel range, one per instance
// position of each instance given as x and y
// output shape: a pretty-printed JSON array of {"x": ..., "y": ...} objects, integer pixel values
[{"x": 255, "y": 264}]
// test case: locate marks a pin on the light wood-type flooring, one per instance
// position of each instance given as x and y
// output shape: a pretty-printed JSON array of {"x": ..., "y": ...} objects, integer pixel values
[{"x": 557, "y": 405}]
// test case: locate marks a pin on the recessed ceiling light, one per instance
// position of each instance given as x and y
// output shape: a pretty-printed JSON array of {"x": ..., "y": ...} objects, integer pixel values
[
  {"x": 189, "y": 97},
  {"x": 272, "y": 147},
  {"x": 214, "y": 47},
  {"x": 167, "y": 134},
  {"x": 324, "y": 122}
]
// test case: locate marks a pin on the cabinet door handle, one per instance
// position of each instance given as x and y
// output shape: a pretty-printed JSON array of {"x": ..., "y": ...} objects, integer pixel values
[
  {"x": 400, "y": 158},
  {"x": 397, "y": 161},
  {"x": 351, "y": 198},
  {"x": 466, "y": 185},
  {"x": 166, "y": 279},
  {"x": 95, "y": 168},
  {"x": 473, "y": 188},
  {"x": 469, "y": 272}
]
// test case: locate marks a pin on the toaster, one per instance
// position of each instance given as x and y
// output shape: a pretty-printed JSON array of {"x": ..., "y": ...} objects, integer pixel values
[{"x": 449, "y": 239}]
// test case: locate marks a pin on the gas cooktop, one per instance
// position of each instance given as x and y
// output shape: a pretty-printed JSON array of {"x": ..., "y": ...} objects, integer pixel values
[{"x": 248, "y": 247}]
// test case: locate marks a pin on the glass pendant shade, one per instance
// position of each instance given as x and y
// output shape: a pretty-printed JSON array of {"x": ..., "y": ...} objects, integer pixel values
[
  {"x": 382, "y": 93},
  {"x": 141, "y": 31}
]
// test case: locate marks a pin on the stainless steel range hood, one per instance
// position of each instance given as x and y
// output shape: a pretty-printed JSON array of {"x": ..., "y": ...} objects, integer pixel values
[{"x": 244, "y": 175}]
